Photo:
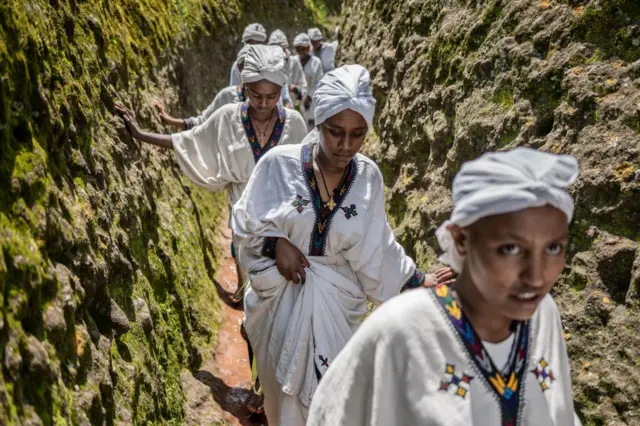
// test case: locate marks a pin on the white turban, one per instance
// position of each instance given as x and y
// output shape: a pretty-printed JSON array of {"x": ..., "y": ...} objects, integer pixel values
[
  {"x": 302, "y": 40},
  {"x": 264, "y": 63},
  {"x": 255, "y": 32},
  {"x": 506, "y": 182},
  {"x": 315, "y": 34},
  {"x": 243, "y": 53},
  {"x": 347, "y": 87},
  {"x": 278, "y": 38}
]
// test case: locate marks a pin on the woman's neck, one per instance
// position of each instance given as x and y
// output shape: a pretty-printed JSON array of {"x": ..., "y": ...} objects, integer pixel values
[
  {"x": 490, "y": 325},
  {"x": 326, "y": 165},
  {"x": 258, "y": 116}
]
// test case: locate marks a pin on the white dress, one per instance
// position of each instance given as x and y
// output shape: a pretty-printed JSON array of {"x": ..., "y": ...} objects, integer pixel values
[
  {"x": 297, "y": 330},
  {"x": 228, "y": 95},
  {"x": 223, "y": 151},
  {"x": 418, "y": 361},
  {"x": 327, "y": 54},
  {"x": 313, "y": 74},
  {"x": 296, "y": 78}
]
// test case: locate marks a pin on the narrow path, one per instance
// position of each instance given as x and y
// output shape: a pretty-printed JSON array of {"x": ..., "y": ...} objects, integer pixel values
[{"x": 228, "y": 374}]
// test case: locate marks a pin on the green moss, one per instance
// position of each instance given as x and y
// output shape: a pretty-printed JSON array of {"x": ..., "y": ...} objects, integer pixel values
[{"x": 504, "y": 97}]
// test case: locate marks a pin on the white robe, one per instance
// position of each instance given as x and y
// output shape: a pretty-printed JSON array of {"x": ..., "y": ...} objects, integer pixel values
[
  {"x": 296, "y": 76},
  {"x": 228, "y": 95},
  {"x": 218, "y": 154},
  {"x": 354, "y": 240},
  {"x": 407, "y": 365},
  {"x": 313, "y": 74},
  {"x": 327, "y": 54}
]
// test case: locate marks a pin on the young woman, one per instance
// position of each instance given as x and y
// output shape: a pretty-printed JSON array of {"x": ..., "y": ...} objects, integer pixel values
[
  {"x": 490, "y": 349},
  {"x": 313, "y": 73},
  {"x": 297, "y": 81},
  {"x": 228, "y": 95},
  {"x": 222, "y": 152},
  {"x": 324, "y": 51},
  {"x": 314, "y": 237}
]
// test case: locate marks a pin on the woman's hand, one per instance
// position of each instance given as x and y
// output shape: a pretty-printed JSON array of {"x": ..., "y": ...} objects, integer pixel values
[
  {"x": 129, "y": 120},
  {"x": 442, "y": 276},
  {"x": 160, "y": 109},
  {"x": 307, "y": 102},
  {"x": 290, "y": 261}
]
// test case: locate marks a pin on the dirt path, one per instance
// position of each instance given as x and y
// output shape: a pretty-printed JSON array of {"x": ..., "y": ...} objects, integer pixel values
[{"x": 227, "y": 374}]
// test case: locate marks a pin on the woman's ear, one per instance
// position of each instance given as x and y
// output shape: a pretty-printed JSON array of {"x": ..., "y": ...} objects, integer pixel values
[{"x": 460, "y": 239}]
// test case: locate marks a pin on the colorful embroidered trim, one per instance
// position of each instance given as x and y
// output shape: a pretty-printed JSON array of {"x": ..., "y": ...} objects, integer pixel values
[
  {"x": 459, "y": 384},
  {"x": 324, "y": 216},
  {"x": 350, "y": 211},
  {"x": 416, "y": 280},
  {"x": 274, "y": 139},
  {"x": 240, "y": 93},
  {"x": 299, "y": 203},
  {"x": 543, "y": 374},
  {"x": 507, "y": 385},
  {"x": 269, "y": 247}
]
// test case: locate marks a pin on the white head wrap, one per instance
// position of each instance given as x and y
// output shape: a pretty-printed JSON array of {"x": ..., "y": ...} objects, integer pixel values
[
  {"x": 255, "y": 32},
  {"x": 315, "y": 34},
  {"x": 506, "y": 182},
  {"x": 264, "y": 63},
  {"x": 242, "y": 53},
  {"x": 347, "y": 87},
  {"x": 278, "y": 38},
  {"x": 302, "y": 39}
]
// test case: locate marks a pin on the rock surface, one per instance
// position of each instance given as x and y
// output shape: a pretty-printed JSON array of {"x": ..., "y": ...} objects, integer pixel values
[
  {"x": 455, "y": 78},
  {"x": 106, "y": 250}
]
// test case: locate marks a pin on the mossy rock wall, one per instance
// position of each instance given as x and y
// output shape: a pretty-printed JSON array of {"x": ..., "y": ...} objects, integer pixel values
[
  {"x": 455, "y": 78},
  {"x": 107, "y": 251}
]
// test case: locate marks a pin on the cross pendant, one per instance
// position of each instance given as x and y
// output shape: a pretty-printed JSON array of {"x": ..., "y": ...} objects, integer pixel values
[{"x": 331, "y": 204}]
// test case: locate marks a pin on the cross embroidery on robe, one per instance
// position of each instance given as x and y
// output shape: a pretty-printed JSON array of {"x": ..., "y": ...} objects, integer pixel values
[
  {"x": 460, "y": 385},
  {"x": 299, "y": 203},
  {"x": 257, "y": 150},
  {"x": 350, "y": 211},
  {"x": 506, "y": 385},
  {"x": 324, "y": 215},
  {"x": 543, "y": 374}
]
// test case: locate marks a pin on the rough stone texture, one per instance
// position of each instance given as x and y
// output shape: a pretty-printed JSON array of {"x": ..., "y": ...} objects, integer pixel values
[
  {"x": 106, "y": 250},
  {"x": 458, "y": 78}
]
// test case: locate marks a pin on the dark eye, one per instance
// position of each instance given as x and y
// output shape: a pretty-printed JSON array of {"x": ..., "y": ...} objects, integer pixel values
[
  {"x": 554, "y": 249},
  {"x": 336, "y": 133},
  {"x": 510, "y": 250},
  {"x": 359, "y": 134}
]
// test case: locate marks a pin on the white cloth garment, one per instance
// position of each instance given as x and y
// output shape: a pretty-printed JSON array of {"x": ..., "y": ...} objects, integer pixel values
[
  {"x": 228, "y": 95},
  {"x": 327, "y": 55},
  {"x": 506, "y": 182},
  {"x": 236, "y": 79},
  {"x": 217, "y": 154},
  {"x": 301, "y": 40},
  {"x": 254, "y": 32},
  {"x": 354, "y": 240},
  {"x": 347, "y": 87},
  {"x": 279, "y": 38},
  {"x": 315, "y": 34},
  {"x": 408, "y": 366},
  {"x": 264, "y": 62},
  {"x": 313, "y": 74}
]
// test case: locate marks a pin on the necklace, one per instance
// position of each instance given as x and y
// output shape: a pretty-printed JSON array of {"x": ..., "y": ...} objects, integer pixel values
[
  {"x": 262, "y": 131},
  {"x": 330, "y": 204}
]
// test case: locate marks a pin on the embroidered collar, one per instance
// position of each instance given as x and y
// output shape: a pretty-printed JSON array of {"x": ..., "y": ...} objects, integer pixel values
[
  {"x": 275, "y": 137},
  {"x": 324, "y": 216},
  {"x": 240, "y": 93},
  {"x": 507, "y": 385}
]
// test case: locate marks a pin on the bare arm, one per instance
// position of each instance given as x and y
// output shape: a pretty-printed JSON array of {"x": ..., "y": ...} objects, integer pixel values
[
  {"x": 176, "y": 122},
  {"x": 163, "y": 141}
]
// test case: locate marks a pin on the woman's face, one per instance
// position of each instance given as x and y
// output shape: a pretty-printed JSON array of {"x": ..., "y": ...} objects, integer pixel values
[
  {"x": 342, "y": 136},
  {"x": 303, "y": 51},
  {"x": 263, "y": 95},
  {"x": 514, "y": 259}
]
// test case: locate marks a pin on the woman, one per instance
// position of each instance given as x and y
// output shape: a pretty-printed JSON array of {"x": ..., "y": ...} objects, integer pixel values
[
  {"x": 222, "y": 152},
  {"x": 297, "y": 81},
  {"x": 312, "y": 68},
  {"x": 314, "y": 214},
  {"x": 479, "y": 344},
  {"x": 324, "y": 51},
  {"x": 228, "y": 95}
]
